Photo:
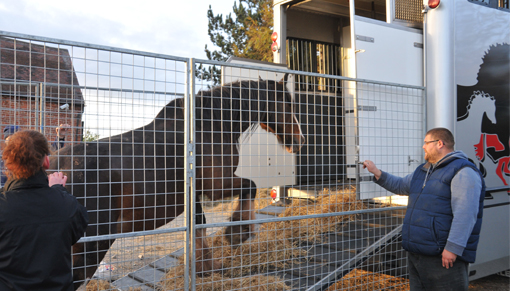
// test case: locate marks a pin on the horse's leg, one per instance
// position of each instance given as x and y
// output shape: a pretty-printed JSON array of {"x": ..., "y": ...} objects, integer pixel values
[
  {"x": 79, "y": 269},
  {"x": 86, "y": 257},
  {"x": 245, "y": 210},
  {"x": 204, "y": 260}
]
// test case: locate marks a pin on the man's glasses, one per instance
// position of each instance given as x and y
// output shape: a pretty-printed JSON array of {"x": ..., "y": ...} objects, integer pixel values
[{"x": 427, "y": 142}]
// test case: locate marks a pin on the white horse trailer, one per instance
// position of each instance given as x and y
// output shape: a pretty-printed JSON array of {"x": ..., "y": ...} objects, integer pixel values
[{"x": 458, "y": 50}]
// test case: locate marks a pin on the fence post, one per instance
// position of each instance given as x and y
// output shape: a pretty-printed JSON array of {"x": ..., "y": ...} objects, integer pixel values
[
  {"x": 356, "y": 139},
  {"x": 189, "y": 180},
  {"x": 42, "y": 106}
]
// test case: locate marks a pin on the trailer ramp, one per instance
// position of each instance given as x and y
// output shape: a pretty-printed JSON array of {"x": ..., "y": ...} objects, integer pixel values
[
  {"x": 358, "y": 260},
  {"x": 372, "y": 241},
  {"x": 327, "y": 259}
]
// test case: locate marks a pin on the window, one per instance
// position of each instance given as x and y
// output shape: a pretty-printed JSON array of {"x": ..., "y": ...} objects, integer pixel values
[
  {"x": 501, "y": 4},
  {"x": 316, "y": 57},
  {"x": 409, "y": 10}
]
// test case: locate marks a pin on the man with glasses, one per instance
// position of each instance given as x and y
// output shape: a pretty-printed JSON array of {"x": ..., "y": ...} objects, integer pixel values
[
  {"x": 444, "y": 213},
  {"x": 62, "y": 132}
]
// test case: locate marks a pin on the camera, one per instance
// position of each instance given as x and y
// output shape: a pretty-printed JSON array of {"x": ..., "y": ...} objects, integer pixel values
[{"x": 64, "y": 107}]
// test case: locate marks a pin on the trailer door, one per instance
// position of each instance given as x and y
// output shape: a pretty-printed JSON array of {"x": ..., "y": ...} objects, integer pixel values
[{"x": 388, "y": 119}]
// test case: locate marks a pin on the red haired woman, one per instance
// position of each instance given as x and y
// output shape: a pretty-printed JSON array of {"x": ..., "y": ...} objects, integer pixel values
[{"x": 39, "y": 219}]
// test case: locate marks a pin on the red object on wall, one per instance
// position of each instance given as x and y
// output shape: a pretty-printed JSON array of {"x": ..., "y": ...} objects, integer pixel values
[
  {"x": 273, "y": 193},
  {"x": 433, "y": 3},
  {"x": 274, "y": 36},
  {"x": 274, "y": 46}
]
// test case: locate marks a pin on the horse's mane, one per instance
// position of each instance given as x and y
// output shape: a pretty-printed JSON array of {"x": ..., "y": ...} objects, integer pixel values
[
  {"x": 235, "y": 97},
  {"x": 245, "y": 101},
  {"x": 237, "y": 106},
  {"x": 494, "y": 68}
]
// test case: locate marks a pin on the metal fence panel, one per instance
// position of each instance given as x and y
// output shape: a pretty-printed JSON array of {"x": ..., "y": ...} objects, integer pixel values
[
  {"x": 119, "y": 151},
  {"x": 249, "y": 184}
]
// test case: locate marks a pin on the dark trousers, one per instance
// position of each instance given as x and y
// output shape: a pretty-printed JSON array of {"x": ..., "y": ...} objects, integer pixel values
[{"x": 428, "y": 273}]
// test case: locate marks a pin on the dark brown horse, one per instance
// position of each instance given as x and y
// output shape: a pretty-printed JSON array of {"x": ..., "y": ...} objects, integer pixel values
[{"x": 135, "y": 181}]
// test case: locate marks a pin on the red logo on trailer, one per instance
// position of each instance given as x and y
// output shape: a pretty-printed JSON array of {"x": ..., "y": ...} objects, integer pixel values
[{"x": 486, "y": 107}]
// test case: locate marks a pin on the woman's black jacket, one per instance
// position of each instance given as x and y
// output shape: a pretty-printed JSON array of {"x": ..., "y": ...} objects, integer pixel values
[{"x": 38, "y": 226}]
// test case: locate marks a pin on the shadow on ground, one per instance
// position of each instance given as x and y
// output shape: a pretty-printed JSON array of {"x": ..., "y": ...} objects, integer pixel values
[{"x": 492, "y": 283}]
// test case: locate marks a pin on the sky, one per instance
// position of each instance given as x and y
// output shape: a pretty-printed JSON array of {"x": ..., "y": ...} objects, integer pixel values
[{"x": 172, "y": 27}]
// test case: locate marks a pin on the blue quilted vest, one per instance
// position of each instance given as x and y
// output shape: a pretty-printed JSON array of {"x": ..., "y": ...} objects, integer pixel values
[{"x": 429, "y": 214}]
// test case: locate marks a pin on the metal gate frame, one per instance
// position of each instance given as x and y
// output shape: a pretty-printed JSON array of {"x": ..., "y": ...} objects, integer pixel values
[{"x": 190, "y": 188}]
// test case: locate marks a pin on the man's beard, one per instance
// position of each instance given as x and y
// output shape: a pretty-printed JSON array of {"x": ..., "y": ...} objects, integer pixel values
[{"x": 430, "y": 158}]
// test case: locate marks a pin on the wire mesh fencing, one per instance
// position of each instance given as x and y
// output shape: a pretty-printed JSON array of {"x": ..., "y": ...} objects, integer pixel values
[{"x": 252, "y": 182}]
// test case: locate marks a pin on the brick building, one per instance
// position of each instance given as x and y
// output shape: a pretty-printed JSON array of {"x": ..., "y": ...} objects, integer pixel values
[{"x": 39, "y": 89}]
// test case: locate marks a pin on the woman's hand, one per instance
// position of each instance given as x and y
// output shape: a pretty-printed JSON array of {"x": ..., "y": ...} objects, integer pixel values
[{"x": 57, "y": 178}]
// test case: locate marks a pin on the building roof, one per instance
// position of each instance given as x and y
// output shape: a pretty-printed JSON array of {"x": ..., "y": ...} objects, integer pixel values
[{"x": 24, "y": 66}]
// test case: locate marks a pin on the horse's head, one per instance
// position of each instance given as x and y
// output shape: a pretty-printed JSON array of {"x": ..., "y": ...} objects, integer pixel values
[
  {"x": 484, "y": 102},
  {"x": 281, "y": 119}
]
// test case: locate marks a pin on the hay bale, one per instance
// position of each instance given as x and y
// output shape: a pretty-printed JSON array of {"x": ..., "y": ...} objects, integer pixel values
[
  {"x": 312, "y": 228},
  {"x": 99, "y": 285},
  {"x": 263, "y": 252},
  {"x": 102, "y": 285},
  {"x": 360, "y": 280},
  {"x": 174, "y": 280}
]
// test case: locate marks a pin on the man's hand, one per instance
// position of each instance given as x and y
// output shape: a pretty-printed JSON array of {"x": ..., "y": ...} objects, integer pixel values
[
  {"x": 57, "y": 178},
  {"x": 448, "y": 259},
  {"x": 370, "y": 166}
]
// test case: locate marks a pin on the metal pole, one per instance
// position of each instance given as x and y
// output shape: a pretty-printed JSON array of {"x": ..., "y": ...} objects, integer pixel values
[
  {"x": 424, "y": 92},
  {"x": 189, "y": 181},
  {"x": 36, "y": 106},
  {"x": 352, "y": 16},
  {"x": 41, "y": 107}
]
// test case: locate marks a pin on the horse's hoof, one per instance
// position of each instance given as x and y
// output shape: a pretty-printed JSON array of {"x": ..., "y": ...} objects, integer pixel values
[{"x": 237, "y": 234}]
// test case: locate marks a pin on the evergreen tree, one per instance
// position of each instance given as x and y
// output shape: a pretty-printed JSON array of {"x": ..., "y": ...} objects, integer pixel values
[
  {"x": 90, "y": 136},
  {"x": 246, "y": 34}
]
